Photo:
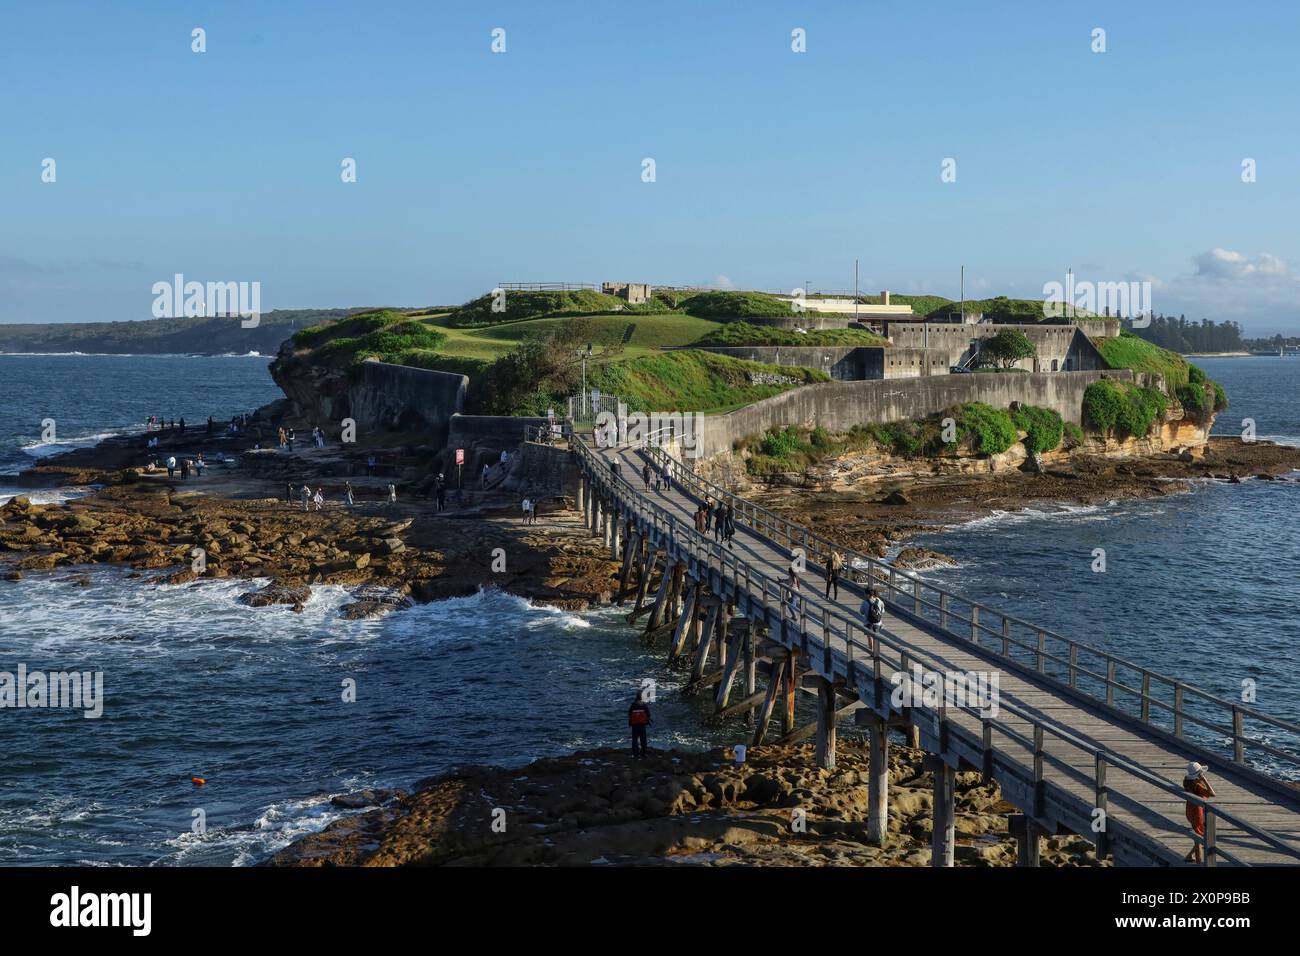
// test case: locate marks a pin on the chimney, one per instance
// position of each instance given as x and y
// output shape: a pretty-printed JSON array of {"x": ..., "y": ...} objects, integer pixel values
[{"x": 884, "y": 297}]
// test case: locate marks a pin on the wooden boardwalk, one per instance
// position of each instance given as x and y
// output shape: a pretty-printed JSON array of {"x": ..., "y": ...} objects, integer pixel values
[{"x": 1070, "y": 760}]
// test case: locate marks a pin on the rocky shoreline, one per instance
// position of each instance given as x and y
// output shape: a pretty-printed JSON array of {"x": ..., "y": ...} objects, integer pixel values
[
  {"x": 875, "y": 516},
  {"x": 675, "y": 808}
]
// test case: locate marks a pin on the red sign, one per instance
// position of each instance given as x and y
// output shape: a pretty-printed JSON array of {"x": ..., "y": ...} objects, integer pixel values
[{"x": 460, "y": 456}]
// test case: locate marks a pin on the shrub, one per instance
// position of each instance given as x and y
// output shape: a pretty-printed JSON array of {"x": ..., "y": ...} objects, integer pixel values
[
  {"x": 1044, "y": 427},
  {"x": 1102, "y": 401},
  {"x": 1074, "y": 433},
  {"x": 1220, "y": 397},
  {"x": 1193, "y": 398},
  {"x": 821, "y": 438},
  {"x": 782, "y": 442},
  {"x": 989, "y": 430}
]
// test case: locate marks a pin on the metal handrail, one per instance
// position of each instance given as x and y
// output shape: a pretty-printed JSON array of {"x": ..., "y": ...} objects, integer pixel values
[
  {"x": 685, "y": 535},
  {"x": 791, "y": 535}
]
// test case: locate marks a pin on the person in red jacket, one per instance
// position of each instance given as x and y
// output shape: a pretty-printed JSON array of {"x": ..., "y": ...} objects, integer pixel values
[
  {"x": 1196, "y": 783},
  {"x": 638, "y": 718}
]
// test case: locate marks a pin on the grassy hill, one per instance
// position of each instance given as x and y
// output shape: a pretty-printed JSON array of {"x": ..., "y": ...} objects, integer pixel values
[
  {"x": 691, "y": 381},
  {"x": 735, "y": 305}
]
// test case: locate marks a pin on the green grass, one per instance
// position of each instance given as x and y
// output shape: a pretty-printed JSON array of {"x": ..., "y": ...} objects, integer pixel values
[
  {"x": 532, "y": 305},
  {"x": 742, "y": 334},
  {"x": 1122, "y": 409},
  {"x": 652, "y": 333},
  {"x": 387, "y": 335},
  {"x": 736, "y": 305},
  {"x": 1128, "y": 351},
  {"x": 691, "y": 381}
]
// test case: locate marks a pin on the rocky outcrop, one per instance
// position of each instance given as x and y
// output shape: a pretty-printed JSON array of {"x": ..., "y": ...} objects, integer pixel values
[
  {"x": 600, "y": 807},
  {"x": 375, "y": 395}
]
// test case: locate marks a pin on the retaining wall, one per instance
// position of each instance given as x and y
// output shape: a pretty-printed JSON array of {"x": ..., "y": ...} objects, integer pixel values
[{"x": 838, "y": 406}]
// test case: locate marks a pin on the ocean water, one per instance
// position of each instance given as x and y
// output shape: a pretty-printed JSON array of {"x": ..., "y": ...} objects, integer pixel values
[
  {"x": 90, "y": 397},
  {"x": 1203, "y": 586}
]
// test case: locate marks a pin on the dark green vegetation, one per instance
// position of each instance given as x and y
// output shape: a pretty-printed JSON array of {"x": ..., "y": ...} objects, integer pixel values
[
  {"x": 1122, "y": 409},
  {"x": 742, "y": 334},
  {"x": 385, "y": 335},
  {"x": 1043, "y": 425},
  {"x": 1007, "y": 348},
  {"x": 975, "y": 428},
  {"x": 1179, "y": 335},
  {"x": 202, "y": 336}
]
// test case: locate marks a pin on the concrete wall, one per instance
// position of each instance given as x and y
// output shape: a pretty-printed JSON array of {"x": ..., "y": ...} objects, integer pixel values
[
  {"x": 404, "y": 398},
  {"x": 492, "y": 431},
  {"x": 1064, "y": 345},
  {"x": 845, "y": 362},
  {"x": 838, "y": 406}
]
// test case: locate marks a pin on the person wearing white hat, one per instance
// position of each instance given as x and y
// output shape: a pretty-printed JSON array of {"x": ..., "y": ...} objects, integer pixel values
[{"x": 1196, "y": 783}]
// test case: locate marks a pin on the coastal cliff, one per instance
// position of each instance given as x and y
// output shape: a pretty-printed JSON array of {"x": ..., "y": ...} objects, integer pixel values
[{"x": 375, "y": 395}]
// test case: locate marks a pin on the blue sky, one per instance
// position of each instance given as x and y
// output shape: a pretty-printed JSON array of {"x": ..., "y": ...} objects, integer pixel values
[{"x": 772, "y": 167}]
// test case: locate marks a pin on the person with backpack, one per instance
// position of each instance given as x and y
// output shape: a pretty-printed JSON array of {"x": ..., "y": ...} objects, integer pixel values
[
  {"x": 638, "y": 718},
  {"x": 873, "y": 611}
]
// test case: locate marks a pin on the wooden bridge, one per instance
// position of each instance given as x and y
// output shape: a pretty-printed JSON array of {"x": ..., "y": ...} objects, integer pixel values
[{"x": 1079, "y": 740}]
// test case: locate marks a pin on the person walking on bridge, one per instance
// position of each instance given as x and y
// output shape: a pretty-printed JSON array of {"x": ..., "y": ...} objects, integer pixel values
[
  {"x": 834, "y": 563},
  {"x": 645, "y": 475},
  {"x": 708, "y": 514},
  {"x": 719, "y": 520},
  {"x": 873, "y": 611},
  {"x": 701, "y": 519},
  {"x": 1195, "y": 783},
  {"x": 729, "y": 525},
  {"x": 638, "y": 718}
]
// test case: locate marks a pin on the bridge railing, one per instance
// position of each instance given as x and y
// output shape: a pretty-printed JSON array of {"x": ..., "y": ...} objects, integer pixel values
[
  {"x": 864, "y": 648},
  {"x": 1232, "y": 728}
]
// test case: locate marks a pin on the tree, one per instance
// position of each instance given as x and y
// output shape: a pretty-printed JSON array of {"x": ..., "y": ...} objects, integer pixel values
[{"x": 1008, "y": 347}]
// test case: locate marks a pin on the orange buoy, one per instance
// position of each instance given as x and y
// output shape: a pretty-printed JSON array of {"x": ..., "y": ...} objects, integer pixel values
[{"x": 197, "y": 781}]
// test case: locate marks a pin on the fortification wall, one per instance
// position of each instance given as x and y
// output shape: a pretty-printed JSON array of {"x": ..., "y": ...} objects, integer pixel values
[{"x": 838, "y": 406}]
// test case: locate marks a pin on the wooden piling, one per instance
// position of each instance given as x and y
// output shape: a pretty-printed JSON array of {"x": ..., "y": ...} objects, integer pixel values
[{"x": 942, "y": 841}]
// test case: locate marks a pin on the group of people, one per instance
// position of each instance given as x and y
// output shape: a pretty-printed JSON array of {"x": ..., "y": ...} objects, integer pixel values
[
  {"x": 661, "y": 477},
  {"x": 156, "y": 423},
  {"x": 720, "y": 518},
  {"x": 529, "y": 507},
  {"x": 184, "y": 466},
  {"x": 316, "y": 498}
]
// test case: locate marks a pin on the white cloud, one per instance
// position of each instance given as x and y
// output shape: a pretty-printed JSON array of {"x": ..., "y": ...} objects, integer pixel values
[{"x": 1226, "y": 264}]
